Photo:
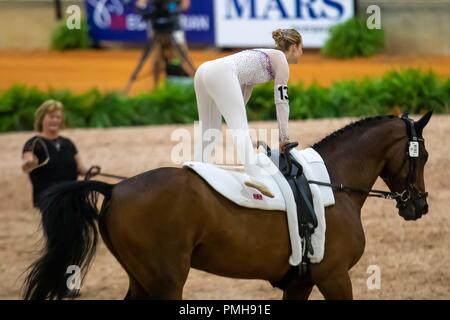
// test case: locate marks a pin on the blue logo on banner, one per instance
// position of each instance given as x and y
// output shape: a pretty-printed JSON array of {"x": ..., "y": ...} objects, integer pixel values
[{"x": 118, "y": 20}]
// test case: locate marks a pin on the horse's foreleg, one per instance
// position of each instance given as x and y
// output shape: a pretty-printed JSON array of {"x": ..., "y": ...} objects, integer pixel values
[
  {"x": 300, "y": 292},
  {"x": 336, "y": 287}
]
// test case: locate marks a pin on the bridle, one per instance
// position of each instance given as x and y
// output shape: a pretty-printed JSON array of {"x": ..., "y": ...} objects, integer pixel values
[
  {"x": 410, "y": 192},
  {"x": 413, "y": 155}
]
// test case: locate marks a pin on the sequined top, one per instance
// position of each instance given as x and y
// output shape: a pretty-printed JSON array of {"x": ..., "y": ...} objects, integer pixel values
[{"x": 252, "y": 67}]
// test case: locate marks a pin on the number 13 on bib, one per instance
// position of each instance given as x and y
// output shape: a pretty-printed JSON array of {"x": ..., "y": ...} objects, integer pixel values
[{"x": 281, "y": 93}]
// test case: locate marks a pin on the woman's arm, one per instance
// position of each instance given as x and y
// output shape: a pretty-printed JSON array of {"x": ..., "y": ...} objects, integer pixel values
[
  {"x": 30, "y": 161},
  {"x": 281, "y": 95},
  {"x": 80, "y": 166}
]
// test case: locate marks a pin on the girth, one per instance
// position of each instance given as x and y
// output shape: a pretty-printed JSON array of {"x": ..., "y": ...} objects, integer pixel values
[{"x": 307, "y": 220}]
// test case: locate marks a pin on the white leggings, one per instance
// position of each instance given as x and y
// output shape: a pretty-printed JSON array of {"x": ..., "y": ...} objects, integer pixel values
[{"x": 219, "y": 93}]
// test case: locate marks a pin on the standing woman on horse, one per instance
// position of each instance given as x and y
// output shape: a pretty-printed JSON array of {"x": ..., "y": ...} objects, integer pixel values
[{"x": 224, "y": 86}]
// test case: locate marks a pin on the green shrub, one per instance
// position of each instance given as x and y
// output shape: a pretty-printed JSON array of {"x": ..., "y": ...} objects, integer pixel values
[
  {"x": 407, "y": 90},
  {"x": 64, "y": 38},
  {"x": 17, "y": 107},
  {"x": 352, "y": 38}
]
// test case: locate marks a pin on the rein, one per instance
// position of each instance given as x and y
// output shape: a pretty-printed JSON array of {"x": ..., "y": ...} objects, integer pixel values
[{"x": 404, "y": 196}]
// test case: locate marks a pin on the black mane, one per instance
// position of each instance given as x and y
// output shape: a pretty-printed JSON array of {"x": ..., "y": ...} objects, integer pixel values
[{"x": 357, "y": 124}]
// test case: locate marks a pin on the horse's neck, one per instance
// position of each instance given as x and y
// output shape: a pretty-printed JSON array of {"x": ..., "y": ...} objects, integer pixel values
[{"x": 357, "y": 159}]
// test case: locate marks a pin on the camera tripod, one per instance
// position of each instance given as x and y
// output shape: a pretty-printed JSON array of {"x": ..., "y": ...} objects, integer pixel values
[{"x": 162, "y": 41}]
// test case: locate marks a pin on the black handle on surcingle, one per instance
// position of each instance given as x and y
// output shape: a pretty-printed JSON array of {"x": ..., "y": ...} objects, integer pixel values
[
  {"x": 290, "y": 145},
  {"x": 287, "y": 153}
]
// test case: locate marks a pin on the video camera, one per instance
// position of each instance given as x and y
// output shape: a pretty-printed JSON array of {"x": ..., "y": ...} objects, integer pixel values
[{"x": 163, "y": 15}]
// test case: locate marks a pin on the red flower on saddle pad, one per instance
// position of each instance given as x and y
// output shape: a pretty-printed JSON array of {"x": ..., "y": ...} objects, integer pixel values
[{"x": 257, "y": 196}]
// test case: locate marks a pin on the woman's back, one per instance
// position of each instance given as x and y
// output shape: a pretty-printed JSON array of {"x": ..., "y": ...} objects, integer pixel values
[{"x": 256, "y": 66}]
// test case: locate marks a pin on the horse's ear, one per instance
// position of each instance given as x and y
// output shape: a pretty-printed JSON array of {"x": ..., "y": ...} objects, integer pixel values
[
  {"x": 405, "y": 114},
  {"x": 422, "y": 122}
]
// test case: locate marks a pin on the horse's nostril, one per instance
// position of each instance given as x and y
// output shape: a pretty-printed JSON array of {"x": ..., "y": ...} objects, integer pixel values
[{"x": 425, "y": 208}]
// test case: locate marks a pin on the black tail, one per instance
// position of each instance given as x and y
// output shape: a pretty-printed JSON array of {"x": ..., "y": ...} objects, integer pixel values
[{"x": 69, "y": 215}]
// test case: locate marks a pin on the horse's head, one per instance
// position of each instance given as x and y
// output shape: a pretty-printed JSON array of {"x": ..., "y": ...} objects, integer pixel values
[{"x": 404, "y": 171}]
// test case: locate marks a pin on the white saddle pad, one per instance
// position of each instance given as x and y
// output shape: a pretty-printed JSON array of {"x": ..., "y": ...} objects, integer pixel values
[{"x": 230, "y": 184}]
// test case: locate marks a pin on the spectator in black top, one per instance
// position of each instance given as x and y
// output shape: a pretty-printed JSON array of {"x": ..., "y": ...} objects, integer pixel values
[{"x": 49, "y": 158}]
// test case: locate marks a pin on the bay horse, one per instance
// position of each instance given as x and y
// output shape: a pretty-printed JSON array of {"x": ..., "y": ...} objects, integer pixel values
[{"x": 162, "y": 222}]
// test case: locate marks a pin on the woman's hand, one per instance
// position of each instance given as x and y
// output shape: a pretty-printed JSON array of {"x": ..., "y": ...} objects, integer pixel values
[
  {"x": 30, "y": 162},
  {"x": 81, "y": 168},
  {"x": 285, "y": 143}
]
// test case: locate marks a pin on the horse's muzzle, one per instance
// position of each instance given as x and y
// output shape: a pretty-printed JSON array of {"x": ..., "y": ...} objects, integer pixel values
[{"x": 413, "y": 209}]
